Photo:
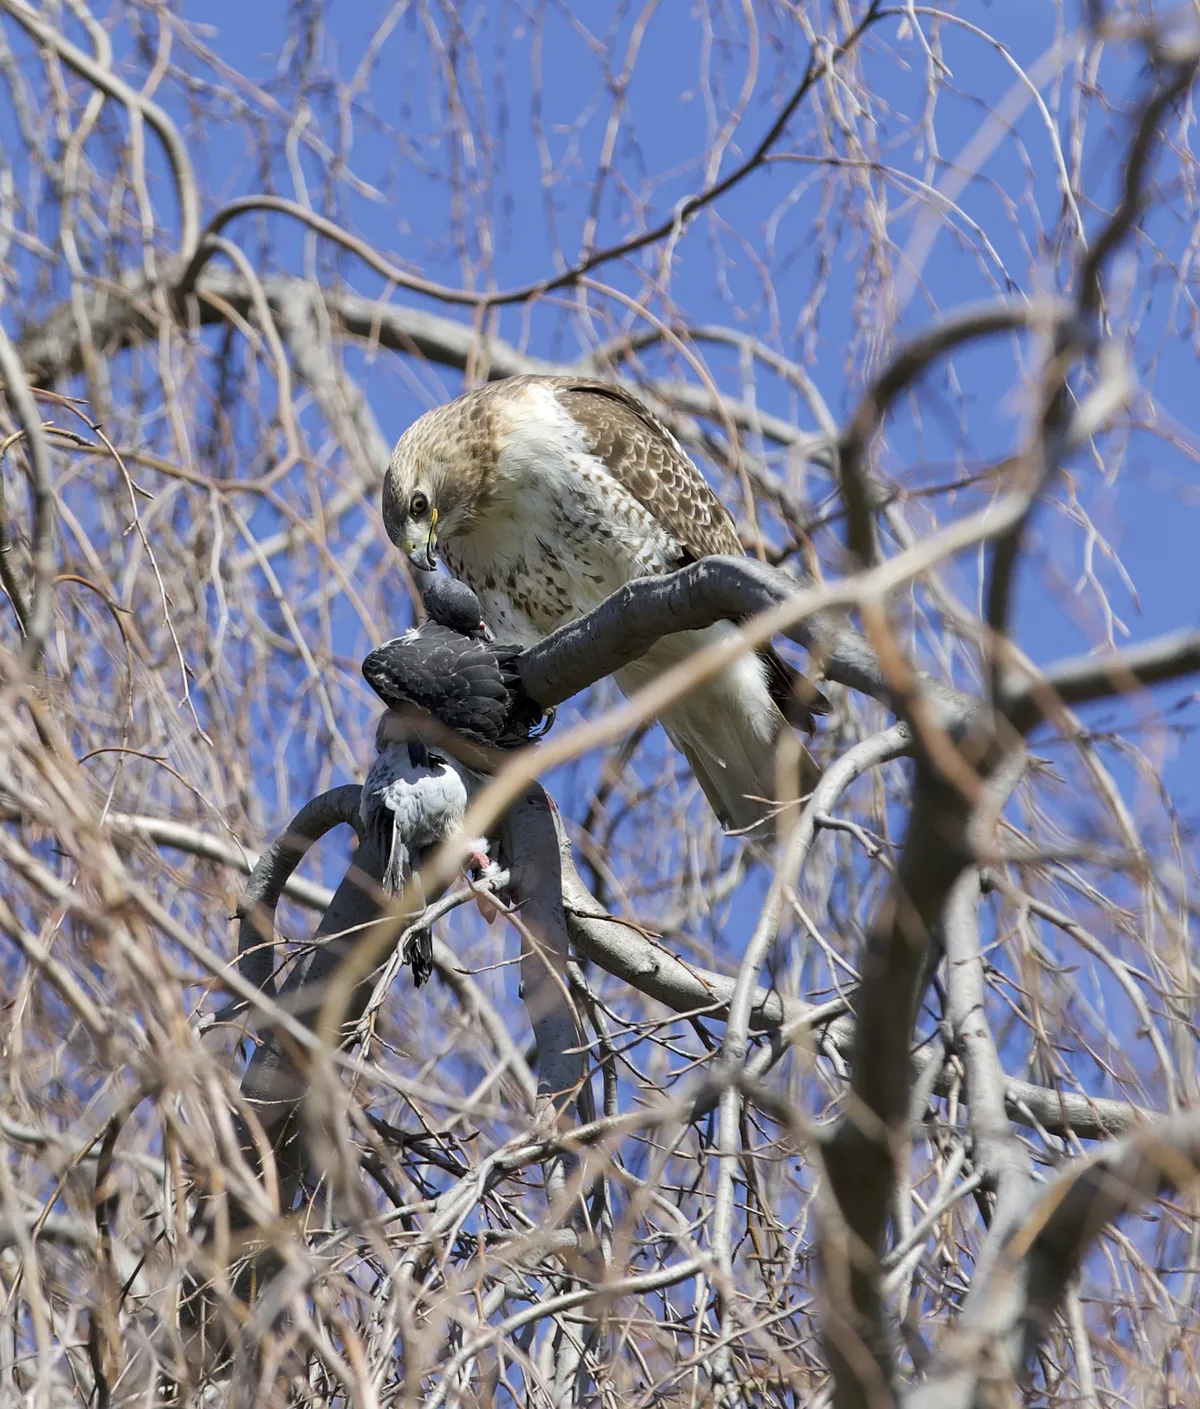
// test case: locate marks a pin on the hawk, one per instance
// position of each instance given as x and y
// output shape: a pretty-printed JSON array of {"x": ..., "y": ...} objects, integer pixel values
[{"x": 546, "y": 494}]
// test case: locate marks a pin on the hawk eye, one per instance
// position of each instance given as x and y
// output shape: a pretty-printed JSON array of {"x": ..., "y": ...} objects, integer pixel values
[{"x": 418, "y": 505}]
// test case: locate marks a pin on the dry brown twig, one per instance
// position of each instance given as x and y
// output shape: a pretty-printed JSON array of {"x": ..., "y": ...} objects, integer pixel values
[{"x": 441, "y": 1215}]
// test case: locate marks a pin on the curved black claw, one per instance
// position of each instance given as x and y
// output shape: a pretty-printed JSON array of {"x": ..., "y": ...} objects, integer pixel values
[{"x": 546, "y": 725}]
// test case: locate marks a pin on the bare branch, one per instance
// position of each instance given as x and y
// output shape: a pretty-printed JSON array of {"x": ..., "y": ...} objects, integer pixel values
[
  {"x": 1012, "y": 1302},
  {"x": 628, "y": 623},
  {"x": 1183, "y": 60},
  {"x": 628, "y": 953},
  {"x": 39, "y": 617},
  {"x": 833, "y": 1018},
  {"x": 1085, "y": 679},
  {"x": 179, "y": 836},
  {"x": 817, "y": 69},
  {"x": 873, "y": 1134},
  {"x": 138, "y": 105},
  {"x": 994, "y": 1148},
  {"x": 273, "y": 871},
  {"x": 912, "y": 360}
]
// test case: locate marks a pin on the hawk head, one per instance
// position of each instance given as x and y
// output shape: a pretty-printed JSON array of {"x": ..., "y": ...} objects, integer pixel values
[{"x": 441, "y": 477}]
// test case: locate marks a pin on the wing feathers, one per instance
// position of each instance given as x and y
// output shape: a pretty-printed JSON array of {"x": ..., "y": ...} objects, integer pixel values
[
  {"x": 642, "y": 456},
  {"x": 471, "y": 686}
]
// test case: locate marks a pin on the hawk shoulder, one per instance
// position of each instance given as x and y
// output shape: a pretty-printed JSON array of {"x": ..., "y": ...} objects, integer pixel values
[
  {"x": 645, "y": 459},
  {"x": 643, "y": 456}
]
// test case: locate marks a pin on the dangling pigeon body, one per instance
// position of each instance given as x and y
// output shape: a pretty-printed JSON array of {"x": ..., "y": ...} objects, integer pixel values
[
  {"x": 450, "y": 667},
  {"x": 413, "y": 800}
]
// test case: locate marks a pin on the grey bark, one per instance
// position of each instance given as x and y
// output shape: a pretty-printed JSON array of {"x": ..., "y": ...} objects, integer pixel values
[
  {"x": 271, "y": 873},
  {"x": 621, "y": 949},
  {"x": 275, "y": 1084},
  {"x": 629, "y": 622}
]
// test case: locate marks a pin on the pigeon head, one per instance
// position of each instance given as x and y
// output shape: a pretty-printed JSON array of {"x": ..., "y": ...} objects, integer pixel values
[{"x": 452, "y": 604}]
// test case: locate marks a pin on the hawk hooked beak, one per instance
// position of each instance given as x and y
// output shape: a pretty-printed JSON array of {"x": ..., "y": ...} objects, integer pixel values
[{"x": 422, "y": 555}]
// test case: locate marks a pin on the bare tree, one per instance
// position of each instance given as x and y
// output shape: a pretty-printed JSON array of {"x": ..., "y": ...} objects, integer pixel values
[{"x": 901, "y": 1109}]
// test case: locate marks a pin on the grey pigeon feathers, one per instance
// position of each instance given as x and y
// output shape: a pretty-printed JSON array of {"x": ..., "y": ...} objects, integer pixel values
[
  {"x": 412, "y": 801},
  {"x": 449, "y": 667}
]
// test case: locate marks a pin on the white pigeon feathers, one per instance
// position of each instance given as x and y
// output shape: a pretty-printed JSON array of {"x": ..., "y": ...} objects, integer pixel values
[{"x": 412, "y": 801}]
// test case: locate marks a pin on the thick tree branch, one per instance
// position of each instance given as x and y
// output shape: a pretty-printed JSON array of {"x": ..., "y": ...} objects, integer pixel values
[
  {"x": 868, "y": 753},
  {"x": 121, "y": 314},
  {"x": 629, "y": 622},
  {"x": 1084, "y": 679},
  {"x": 995, "y": 1151},
  {"x": 529, "y": 849},
  {"x": 872, "y": 1137},
  {"x": 625, "y": 951},
  {"x": 261, "y": 895},
  {"x": 1073, "y": 338},
  {"x": 945, "y": 835}
]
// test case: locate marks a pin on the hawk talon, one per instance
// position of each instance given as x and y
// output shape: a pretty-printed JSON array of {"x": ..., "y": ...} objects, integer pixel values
[{"x": 545, "y": 726}]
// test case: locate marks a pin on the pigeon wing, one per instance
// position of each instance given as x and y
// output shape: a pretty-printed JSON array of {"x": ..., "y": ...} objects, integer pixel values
[{"x": 454, "y": 678}]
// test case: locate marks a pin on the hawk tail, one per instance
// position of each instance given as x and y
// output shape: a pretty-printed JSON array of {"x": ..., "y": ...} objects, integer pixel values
[
  {"x": 729, "y": 732},
  {"x": 797, "y": 697},
  {"x": 739, "y": 790},
  {"x": 730, "y": 727}
]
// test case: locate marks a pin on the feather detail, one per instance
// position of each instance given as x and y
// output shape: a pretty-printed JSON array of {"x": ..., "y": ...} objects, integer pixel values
[
  {"x": 798, "y": 699},
  {"x": 413, "y": 800},
  {"x": 470, "y": 685}
]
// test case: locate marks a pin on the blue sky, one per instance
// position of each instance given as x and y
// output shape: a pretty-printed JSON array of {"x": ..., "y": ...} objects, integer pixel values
[
  {"x": 1147, "y": 515},
  {"x": 535, "y": 84},
  {"x": 791, "y": 256}
]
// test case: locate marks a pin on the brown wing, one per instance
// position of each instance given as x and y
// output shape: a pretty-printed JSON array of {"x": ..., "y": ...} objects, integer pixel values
[{"x": 642, "y": 455}]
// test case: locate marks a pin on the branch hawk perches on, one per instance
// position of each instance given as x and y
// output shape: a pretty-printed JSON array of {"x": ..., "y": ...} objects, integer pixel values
[{"x": 546, "y": 494}]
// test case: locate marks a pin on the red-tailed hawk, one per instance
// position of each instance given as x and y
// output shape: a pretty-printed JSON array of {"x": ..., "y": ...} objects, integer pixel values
[{"x": 547, "y": 494}]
